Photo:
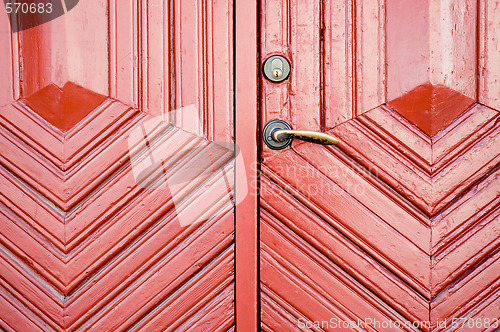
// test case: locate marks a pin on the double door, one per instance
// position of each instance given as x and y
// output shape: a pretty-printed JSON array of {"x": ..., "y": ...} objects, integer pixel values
[{"x": 137, "y": 191}]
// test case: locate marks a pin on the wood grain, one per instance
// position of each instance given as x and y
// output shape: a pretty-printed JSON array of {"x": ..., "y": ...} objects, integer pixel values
[
  {"x": 461, "y": 155},
  {"x": 109, "y": 247},
  {"x": 489, "y": 79},
  {"x": 400, "y": 221},
  {"x": 9, "y": 81},
  {"x": 86, "y": 244}
]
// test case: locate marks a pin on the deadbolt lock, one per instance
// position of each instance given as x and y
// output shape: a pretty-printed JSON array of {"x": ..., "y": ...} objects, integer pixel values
[{"x": 276, "y": 68}]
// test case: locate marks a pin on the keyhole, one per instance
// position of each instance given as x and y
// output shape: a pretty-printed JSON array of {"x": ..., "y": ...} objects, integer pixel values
[
  {"x": 277, "y": 72},
  {"x": 276, "y": 68}
]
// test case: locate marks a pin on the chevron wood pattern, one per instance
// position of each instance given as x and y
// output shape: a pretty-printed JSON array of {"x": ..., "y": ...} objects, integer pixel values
[
  {"x": 83, "y": 247},
  {"x": 400, "y": 222},
  {"x": 92, "y": 236},
  {"x": 430, "y": 172},
  {"x": 393, "y": 235}
]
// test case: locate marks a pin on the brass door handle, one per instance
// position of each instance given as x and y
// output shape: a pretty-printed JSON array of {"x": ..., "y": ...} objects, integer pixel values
[
  {"x": 281, "y": 135},
  {"x": 278, "y": 135}
]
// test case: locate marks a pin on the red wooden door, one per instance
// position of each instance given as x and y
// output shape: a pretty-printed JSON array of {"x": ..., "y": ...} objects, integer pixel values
[
  {"x": 117, "y": 168},
  {"x": 397, "y": 227},
  {"x": 104, "y": 108}
]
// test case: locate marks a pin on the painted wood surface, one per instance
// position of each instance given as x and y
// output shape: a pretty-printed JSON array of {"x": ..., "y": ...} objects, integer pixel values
[
  {"x": 399, "y": 222},
  {"x": 86, "y": 101},
  {"x": 246, "y": 129}
]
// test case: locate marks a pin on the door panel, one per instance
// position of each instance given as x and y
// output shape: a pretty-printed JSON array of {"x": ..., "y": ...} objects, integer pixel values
[
  {"x": 65, "y": 54},
  {"x": 9, "y": 85},
  {"x": 398, "y": 222},
  {"x": 117, "y": 169}
]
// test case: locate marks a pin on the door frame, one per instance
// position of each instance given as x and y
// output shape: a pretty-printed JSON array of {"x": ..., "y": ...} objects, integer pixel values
[{"x": 246, "y": 85}]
